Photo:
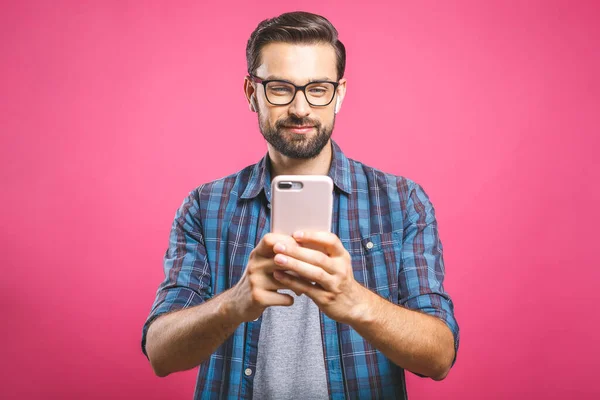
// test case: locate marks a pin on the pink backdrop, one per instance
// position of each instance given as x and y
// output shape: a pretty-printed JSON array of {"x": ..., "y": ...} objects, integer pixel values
[{"x": 110, "y": 113}]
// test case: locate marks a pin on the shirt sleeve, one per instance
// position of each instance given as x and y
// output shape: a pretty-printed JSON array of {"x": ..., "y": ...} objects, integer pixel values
[
  {"x": 421, "y": 275},
  {"x": 187, "y": 280}
]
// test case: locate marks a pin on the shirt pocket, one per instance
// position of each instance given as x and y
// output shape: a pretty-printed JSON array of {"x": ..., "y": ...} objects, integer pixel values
[{"x": 376, "y": 261}]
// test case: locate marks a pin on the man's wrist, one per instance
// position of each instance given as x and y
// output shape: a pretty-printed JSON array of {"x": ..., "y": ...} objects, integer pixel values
[
  {"x": 365, "y": 311},
  {"x": 227, "y": 309}
]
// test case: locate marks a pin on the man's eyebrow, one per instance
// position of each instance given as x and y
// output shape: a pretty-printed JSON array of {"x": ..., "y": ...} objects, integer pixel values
[{"x": 279, "y": 78}]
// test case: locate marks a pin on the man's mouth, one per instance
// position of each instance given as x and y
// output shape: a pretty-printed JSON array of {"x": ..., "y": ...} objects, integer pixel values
[{"x": 301, "y": 129}]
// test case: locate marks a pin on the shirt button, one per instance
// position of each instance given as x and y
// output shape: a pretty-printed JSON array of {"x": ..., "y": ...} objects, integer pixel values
[
  {"x": 369, "y": 245},
  {"x": 248, "y": 372}
]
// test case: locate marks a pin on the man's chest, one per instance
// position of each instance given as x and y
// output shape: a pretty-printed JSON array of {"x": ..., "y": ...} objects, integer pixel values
[{"x": 371, "y": 235}]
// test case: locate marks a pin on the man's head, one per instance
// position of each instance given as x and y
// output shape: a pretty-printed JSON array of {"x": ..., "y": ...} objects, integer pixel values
[{"x": 295, "y": 49}]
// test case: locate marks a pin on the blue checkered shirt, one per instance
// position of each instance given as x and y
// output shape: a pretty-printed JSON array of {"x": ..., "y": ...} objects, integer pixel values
[{"x": 385, "y": 222}]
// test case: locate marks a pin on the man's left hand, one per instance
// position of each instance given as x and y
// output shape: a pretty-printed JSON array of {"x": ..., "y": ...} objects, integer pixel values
[{"x": 335, "y": 291}]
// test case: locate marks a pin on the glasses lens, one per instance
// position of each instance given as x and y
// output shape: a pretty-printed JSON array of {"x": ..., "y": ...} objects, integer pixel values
[
  {"x": 317, "y": 94},
  {"x": 320, "y": 93},
  {"x": 280, "y": 92}
]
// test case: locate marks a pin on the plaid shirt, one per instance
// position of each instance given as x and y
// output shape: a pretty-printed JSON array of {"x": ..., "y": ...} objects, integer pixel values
[{"x": 385, "y": 222}]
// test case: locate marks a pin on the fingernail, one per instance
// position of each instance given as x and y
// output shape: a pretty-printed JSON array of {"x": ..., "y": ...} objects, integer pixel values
[
  {"x": 278, "y": 275},
  {"x": 281, "y": 259},
  {"x": 298, "y": 235},
  {"x": 279, "y": 247}
]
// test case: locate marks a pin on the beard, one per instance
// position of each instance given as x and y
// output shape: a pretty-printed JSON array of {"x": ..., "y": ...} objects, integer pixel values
[{"x": 295, "y": 145}]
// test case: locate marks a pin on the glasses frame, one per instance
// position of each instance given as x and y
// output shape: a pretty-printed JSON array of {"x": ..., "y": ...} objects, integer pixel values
[{"x": 297, "y": 88}]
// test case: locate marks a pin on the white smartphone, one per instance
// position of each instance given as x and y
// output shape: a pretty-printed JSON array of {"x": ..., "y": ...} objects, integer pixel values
[{"x": 301, "y": 203}]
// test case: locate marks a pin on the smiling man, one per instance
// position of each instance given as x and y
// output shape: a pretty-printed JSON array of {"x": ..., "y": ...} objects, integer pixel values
[{"x": 378, "y": 306}]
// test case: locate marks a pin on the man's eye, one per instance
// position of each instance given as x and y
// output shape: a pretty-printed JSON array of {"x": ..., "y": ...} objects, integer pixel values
[
  {"x": 317, "y": 91},
  {"x": 280, "y": 89}
]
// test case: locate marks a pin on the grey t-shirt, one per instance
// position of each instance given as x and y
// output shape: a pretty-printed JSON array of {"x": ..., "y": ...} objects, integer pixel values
[{"x": 290, "y": 362}]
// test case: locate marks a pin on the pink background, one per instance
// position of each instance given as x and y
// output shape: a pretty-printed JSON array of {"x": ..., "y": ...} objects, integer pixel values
[{"x": 111, "y": 112}]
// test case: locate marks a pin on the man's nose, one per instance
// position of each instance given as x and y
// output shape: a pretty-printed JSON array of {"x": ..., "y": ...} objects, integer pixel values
[{"x": 299, "y": 106}]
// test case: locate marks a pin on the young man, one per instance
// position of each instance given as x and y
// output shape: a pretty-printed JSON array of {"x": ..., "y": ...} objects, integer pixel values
[{"x": 378, "y": 306}]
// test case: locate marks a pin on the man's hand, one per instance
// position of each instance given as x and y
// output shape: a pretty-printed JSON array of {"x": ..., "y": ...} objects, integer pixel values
[
  {"x": 257, "y": 288},
  {"x": 185, "y": 338},
  {"x": 335, "y": 291},
  {"x": 413, "y": 340}
]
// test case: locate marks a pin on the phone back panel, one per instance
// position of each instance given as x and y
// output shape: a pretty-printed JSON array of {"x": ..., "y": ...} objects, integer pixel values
[{"x": 308, "y": 208}]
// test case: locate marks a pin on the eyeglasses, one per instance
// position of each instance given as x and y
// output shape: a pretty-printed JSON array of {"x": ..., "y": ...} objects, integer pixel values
[{"x": 282, "y": 93}]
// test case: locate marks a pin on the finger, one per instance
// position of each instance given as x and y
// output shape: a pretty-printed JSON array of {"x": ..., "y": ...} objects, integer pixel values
[
  {"x": 268, "y": 299},
  {"x": 299, "y": 286},
  {"x": 265, "y": 245},
  {"x": 307, "y": 271},
  {"x": 263, "y": 277},
  {"x": 290, "y": 273},
  {"x": 329, "y": 241},
  {"x": 271, "y": 284},
  {"x": 309, "y": 256}
]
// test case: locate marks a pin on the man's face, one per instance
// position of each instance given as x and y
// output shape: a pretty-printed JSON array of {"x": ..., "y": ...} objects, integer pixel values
[{"x": 297, "y": 130}]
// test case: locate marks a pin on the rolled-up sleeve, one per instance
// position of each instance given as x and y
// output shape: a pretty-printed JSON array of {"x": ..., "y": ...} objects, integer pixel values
[
  {"x": 421, "y": 274},
  {"x": 187, "y": 272}
]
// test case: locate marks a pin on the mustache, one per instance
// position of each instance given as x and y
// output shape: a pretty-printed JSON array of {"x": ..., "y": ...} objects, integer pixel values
[{"x": 295, "y": 121}]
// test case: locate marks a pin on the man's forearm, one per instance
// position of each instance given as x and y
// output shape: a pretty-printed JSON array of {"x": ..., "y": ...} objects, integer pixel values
[
  {"x": 412, "y": 340},
  {"x": 184, "y": 339}
]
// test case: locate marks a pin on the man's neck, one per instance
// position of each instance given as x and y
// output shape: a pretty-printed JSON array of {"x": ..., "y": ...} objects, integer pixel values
[{"x": 282, "y": 165}]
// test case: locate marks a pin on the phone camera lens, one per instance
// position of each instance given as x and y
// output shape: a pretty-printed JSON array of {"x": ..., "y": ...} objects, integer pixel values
[{"x": 285, "y": 185}]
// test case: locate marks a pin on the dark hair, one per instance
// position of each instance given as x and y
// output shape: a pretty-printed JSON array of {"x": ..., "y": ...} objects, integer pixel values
[{"x": 294, "y": 27}]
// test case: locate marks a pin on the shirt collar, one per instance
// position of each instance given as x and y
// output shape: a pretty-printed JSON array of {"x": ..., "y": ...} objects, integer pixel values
[{"x": 260, "y": 177}]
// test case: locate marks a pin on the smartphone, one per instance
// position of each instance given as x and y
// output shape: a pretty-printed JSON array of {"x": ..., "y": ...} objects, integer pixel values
[{"x": 301, "y": 203}]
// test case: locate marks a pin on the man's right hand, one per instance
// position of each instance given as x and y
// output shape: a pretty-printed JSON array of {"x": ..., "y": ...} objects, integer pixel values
[
  {"x": 257, "y": 289},
  {"x": 185, "y": 338}
]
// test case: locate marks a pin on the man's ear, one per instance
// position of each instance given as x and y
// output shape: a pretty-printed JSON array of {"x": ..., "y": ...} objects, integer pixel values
[
  {"x": 250, "y": 93},
  {"x": 341, "y": 93}
]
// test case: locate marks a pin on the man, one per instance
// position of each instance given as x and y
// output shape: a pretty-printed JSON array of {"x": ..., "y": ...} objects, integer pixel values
[{"x": 377, "y": 306}]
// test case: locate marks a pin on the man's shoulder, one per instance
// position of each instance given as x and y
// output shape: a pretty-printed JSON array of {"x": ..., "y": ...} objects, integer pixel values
[
  {"x": 389, "y": 192},
  {"x": 371, "y": 178},
  {"x": 233, "y": 184}
]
